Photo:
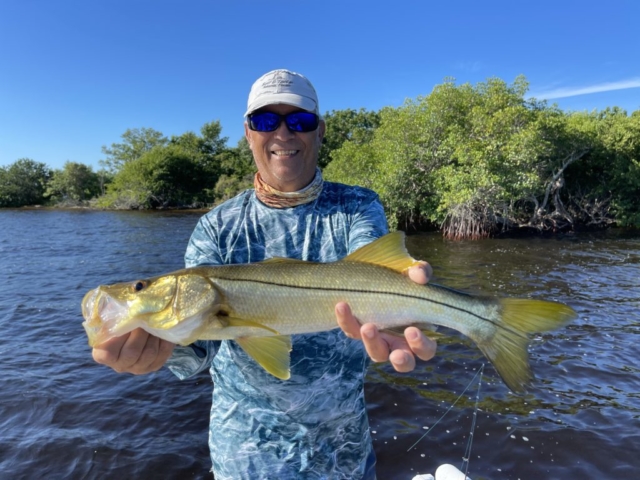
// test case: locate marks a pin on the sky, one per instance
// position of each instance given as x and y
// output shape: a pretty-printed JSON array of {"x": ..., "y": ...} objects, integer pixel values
[{"x": 76, "y": 74}]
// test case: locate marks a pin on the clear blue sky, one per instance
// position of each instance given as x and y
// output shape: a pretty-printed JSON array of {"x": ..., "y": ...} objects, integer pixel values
[{"x": 75, "y": 74}]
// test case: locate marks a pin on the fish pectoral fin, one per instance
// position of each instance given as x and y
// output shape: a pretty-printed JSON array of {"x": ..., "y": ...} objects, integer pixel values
[
  {"x": 387, "y": 251},
  {"x": 427, "y": 328},
  {"x": 243, "y": 322},
  {"x": 395, "y": 331},
  {"x": 272, "y": 353}
]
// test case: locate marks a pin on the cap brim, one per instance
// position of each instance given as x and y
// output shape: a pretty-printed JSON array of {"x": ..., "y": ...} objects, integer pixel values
[{"x": 294, "y": 100}]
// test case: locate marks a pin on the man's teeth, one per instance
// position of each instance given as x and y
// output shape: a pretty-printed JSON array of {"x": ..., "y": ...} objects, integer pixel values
[{"x": 284, "y": 153}]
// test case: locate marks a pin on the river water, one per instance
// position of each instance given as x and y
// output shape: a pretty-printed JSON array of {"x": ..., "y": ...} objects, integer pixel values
[{"x": 63, "y": 416}]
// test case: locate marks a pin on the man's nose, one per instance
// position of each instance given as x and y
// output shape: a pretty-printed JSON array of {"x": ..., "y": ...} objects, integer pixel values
[{"x": 283, "y": 131}]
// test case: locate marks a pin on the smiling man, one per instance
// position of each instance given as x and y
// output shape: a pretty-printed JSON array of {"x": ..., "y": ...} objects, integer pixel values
[{"x": 314, "y": 425}]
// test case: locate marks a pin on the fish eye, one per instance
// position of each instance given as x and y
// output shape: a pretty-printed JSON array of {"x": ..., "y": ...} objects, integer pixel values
[{"x": 139, "y": 286}]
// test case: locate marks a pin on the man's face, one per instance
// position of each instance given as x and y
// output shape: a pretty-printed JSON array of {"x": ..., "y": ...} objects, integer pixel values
[{"x": 286, "y": 160}]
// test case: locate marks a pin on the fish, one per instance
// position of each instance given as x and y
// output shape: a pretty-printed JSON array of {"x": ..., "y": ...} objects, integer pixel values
[{"x": 260, "y": 305}]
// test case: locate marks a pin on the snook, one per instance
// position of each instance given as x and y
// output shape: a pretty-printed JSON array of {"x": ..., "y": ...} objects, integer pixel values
[{"x": 260, "y": 305}]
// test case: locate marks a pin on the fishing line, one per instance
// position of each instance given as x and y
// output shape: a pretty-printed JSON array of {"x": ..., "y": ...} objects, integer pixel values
[
  {"x": 467, "y": 452},
  {"x": 478, "y": 373}
]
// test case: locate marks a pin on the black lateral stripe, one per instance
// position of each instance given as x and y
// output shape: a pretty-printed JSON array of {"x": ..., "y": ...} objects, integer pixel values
[{"x": 351, "y": 290}]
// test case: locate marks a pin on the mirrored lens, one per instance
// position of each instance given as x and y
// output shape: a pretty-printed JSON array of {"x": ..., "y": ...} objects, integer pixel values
[
  {"x": 302, "y": 121},
  {"x": 264, "y": 122},
  {"x": 295, "y": 121}
]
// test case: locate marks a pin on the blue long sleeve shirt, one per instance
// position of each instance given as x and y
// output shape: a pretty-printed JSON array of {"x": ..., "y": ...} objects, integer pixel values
[{"x": 314, "y": 425}]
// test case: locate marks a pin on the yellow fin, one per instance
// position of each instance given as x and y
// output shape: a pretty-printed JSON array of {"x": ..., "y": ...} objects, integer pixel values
[
  {"x": 242, "y": 322},
  {"x": 428, "y": 329},
  {"x": 520, "y": 317},
  {"x": 272, "y": 353},
  {"x": 387, "y": 251}
]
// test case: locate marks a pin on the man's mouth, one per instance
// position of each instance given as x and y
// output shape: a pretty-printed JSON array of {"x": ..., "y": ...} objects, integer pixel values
[{"x": 284, "y": 153}]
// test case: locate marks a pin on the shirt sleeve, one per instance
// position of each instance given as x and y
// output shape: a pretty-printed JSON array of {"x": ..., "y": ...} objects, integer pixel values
[
  {"x": 368, "y": 222},
  {"x": 192, "y": 359}
]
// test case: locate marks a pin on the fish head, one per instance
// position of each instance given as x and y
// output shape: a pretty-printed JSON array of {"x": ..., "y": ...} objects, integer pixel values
[{"x": 156, "y": 305}]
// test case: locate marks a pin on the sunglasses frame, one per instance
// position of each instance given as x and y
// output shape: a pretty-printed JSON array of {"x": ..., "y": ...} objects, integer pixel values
[{"x": 282, "y": 118}]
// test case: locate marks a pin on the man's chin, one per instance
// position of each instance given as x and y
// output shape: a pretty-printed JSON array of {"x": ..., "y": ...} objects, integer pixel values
[{"x": 290, "y": 179}]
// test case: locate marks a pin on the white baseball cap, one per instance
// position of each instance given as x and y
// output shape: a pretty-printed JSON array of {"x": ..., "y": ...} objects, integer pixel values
[{"x": 283, "y": 87}]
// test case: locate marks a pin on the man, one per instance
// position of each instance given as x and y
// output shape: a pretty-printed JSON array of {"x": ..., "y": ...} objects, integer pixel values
[{"x": 313, "y": 425}]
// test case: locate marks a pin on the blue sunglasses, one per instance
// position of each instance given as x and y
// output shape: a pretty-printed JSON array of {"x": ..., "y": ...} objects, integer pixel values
[{"x": 295, "y": 121}]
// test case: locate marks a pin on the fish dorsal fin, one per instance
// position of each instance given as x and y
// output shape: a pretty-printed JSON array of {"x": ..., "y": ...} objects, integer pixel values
[{"x": 387, "y": 251}]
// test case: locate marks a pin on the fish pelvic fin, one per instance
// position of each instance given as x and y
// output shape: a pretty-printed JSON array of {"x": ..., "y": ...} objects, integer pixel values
[
  {"x": 272, "y": 353},
  {"x": 387, "y": 251},
  {"x": 508, "y": 349}
]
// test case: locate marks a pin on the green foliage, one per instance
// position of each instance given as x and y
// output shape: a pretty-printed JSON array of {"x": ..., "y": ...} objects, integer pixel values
[
  {"x": 75, "y": 183},
  {"x": 180, "y": 172},
  {"x": 163, "y": 177},
  {"x": 461, "y": 149},
  {"x": 238, "y": 168},
  {"x": 136, "y": 142},
  {"x": 618, "y": 138},
  {"x": 238, "y": 161},
  {"x": 23, "y": 183},
  {"x": 228, "y": 186},
  {"x": 356, "y": 126},
  {"x": 471, "y": 159},
  {"x": 205, "y": 147},
  {"x": 479, "y": 159}
]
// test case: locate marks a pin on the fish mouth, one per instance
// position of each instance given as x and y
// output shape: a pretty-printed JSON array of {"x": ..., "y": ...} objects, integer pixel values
[{"x": 102, "y": 314}]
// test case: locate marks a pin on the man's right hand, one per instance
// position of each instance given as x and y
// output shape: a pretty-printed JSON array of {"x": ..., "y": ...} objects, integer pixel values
[{"x": 137, "y": 352}]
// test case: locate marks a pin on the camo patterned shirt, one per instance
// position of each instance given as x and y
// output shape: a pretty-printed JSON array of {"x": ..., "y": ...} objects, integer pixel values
[{"x": 314, "y": 425}]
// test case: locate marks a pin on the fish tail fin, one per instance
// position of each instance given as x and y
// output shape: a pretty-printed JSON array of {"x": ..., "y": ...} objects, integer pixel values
[{"x": 508, "y": 349}]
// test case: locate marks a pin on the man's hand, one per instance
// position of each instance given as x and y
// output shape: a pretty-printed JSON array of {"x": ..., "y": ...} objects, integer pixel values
[
  {"x": 401, "y": 352},
  {"x": 137, "y": 352}
]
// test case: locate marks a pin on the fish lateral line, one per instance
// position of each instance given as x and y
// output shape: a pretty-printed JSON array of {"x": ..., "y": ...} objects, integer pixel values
[{"x": 372, "y": 292}]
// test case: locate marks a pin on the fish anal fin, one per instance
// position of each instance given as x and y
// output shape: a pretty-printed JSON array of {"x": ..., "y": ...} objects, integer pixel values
[
  {"x": 387, "y": 251},
  {"x": 272, "y": 353}
]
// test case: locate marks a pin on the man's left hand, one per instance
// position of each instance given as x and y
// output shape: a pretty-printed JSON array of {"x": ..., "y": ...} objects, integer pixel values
[{"x": 380, "y": 346}]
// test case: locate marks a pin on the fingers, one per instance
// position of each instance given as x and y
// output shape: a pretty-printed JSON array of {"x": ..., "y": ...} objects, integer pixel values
[
  {"x": 421, "y": 346},
  {"x": 347, "y": 322},
  {"x": 137, "y": 352},
  {"x": 420, "y": 273},
  {"x": 402, "y": 361},
  {"x": 377, "y": 347},
  {"x": 107, "y": 353},
  {"x": 401, "y": 352},
  {"x": 404, "y": 350}
]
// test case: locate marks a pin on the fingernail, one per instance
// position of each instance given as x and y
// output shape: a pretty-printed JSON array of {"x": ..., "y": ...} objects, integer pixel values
[
  {"x": 412, "y": 335},
  {"x": 369, "y": 334}
]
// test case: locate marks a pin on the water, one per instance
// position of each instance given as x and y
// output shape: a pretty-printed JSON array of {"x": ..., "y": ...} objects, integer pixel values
[{"x": 63, "y": 416}]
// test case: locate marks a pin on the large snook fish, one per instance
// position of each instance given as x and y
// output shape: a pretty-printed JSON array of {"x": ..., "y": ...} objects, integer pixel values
[{"x": 260, "y": 305}]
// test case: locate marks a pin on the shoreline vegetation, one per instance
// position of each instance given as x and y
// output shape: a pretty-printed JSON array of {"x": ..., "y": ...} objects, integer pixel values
[{"x": 471, "y": 161}]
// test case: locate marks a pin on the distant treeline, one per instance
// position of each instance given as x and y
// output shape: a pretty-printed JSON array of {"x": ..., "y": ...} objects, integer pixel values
[{"x": 472, "y": 160}]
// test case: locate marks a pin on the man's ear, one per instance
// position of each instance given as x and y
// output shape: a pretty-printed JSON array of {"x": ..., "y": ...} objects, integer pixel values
[{"x": 247, "y": 133}]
